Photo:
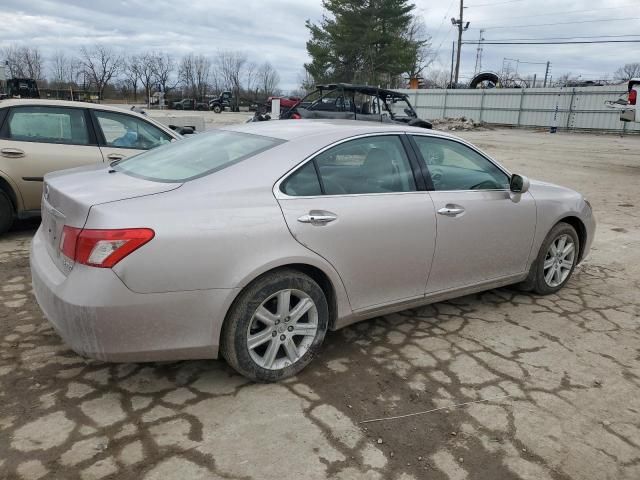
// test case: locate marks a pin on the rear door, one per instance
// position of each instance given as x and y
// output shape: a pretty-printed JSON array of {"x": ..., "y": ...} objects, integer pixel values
[
  {"x": 121, "y": 135},
  {"x": 359, "y": 205},
  {"x": 36, "y": 140},
  {"x": 485, "y": 232}
]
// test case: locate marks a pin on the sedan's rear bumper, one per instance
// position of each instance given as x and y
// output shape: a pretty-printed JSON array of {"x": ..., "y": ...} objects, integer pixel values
[{"x": 99, "y": 317}]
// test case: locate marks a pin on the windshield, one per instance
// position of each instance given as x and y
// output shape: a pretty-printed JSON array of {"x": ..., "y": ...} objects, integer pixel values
[
  {"x": 195, "y": 157},
  {"x": 399, "y": 107}
]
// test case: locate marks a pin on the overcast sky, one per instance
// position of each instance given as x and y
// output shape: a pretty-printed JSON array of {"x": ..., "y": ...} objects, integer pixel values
[{"x": 274, "y": 30}]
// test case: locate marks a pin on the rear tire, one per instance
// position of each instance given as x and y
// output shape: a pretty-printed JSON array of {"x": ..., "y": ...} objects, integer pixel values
[
  {"x": 554, "y": 266},
  {"x": 6, "y": 213},
  {"x": 264, "y": 337}
]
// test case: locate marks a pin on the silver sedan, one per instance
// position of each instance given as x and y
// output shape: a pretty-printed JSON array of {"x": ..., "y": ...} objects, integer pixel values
[{"x": 252, "y": 241}]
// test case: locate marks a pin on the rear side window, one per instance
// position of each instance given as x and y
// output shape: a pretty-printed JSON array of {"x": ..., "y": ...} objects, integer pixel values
[
  {"x": 366, "y": 165},
  {"x": 195, "y": 157},
  {"x": 363, "y": 166},
  {"x": 303, "y": 183},
  {"x": 47, "y": 125}
]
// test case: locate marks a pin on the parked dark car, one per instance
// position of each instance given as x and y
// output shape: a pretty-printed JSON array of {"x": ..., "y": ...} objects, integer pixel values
[
  {"x": 346, "y": 101},
  {"x": 189, "y": 104}
]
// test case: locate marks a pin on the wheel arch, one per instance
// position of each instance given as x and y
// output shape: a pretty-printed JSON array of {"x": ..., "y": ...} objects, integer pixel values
[
  {"x": 7, "y": 188},
  {"x": 581, "y": 230},
  {"x": 335, "y": 299}
]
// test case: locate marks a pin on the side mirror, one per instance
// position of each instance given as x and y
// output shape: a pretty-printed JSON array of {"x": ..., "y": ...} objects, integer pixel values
[{"x": 518, "y": 183}]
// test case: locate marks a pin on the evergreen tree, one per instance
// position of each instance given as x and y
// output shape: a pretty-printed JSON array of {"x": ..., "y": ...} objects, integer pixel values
[{"x": 363, "y": 41}]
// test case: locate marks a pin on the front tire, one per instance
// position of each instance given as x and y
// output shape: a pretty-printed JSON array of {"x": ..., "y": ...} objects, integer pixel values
[
  {"x": 217, "y": 108},
  {"x": 275, "y": 327},
  {"x": 6, "y": 213},
  {"x": 557, "y": 258}
]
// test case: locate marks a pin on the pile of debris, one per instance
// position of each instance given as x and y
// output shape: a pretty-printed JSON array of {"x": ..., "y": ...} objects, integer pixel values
[{"x": 460, "y": 123}]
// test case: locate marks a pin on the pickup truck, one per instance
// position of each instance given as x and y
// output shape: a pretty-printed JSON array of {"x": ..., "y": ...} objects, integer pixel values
[{"x": 189, "y": 104}]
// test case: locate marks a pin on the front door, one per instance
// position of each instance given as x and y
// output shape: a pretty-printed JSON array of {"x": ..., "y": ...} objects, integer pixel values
[
  {"x": 36, "y": 140},
  {"x": 484, "y": 231},
  {"x": 121, "y": 135},
  {"x": 357, "y": 205}
]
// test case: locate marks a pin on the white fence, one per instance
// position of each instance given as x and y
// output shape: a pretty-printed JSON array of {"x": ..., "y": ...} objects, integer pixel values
[{"x": 574, "y": 108}]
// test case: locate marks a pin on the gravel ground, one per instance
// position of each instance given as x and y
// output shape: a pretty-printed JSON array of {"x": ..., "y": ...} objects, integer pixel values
[{"x": 570, "y": 364}]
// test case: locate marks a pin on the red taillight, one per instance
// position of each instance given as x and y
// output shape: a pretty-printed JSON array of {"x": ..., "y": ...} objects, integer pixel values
[
  {"x": 102, "y": 248},
  {"x": 633, "y": 96},
  {"x": 296, "y": 116}
]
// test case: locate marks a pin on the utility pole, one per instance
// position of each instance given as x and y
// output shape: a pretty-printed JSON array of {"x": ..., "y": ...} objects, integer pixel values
[
  {"x": 461, "y": 28},
  {"x": 453, "y": 49},
  {"x": 546, "y": 74},
  {"x": 478, "y": 66}
]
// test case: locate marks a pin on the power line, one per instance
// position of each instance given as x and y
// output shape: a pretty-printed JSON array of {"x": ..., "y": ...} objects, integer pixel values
[
  {"x": 553, "y": 43},
  {"x": 574, "y": 11},
  {"x": 565, "y": 38},
  {"x": 440, "y": 27},
  {"x": 562, "y": 23}
]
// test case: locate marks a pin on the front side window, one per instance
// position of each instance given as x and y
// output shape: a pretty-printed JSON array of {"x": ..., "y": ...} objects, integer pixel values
[
  {"x": 47, "y": 125},
  {"x": 126, "y": 131},
  {"x": 454, "y": 166},
  {"x": 365, "y": 165},
  {"x": 195, "y": 157}
]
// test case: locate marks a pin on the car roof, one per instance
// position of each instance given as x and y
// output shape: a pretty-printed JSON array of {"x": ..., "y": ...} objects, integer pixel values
[
  {"x": 366, "y": 89},
  {"x": 295, "y": 129},
  {"x": 13, "y": 102}
]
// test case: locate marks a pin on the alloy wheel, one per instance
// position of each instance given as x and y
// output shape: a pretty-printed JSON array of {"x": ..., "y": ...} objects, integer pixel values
[
  {"x": 558, "y": 261},
  {"x": 282, "y": 329}
]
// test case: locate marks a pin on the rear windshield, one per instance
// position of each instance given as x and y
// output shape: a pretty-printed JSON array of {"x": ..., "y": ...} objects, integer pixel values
[{"x": 195, "y": 157}]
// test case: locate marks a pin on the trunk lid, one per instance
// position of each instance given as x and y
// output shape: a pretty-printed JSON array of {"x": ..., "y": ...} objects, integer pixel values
[{"x": 69, "y": 195}]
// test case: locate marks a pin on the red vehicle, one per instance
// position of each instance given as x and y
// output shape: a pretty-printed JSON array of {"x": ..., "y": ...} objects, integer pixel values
[{"x": 285, "y": 102}]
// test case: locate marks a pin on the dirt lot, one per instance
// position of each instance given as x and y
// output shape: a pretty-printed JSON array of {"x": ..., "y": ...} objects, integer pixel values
[{"x": 570, "y": 364}]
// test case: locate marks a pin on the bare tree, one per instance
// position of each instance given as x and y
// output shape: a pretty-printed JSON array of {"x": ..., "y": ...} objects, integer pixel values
[
  {"x": 565, "y": 79},
  {"x": 306, "y": 81},
  {"x": 100, "y": 64},
  {"x": 145, "y": 66},
  {"x": 626, "y": 73},
  {"x": 251, "y": 78},
  {"x": 163, "y": 68},
  {"x": 417, "y": 34},
  {"x": 437, "y": 78},
  {"x": 268, "y": 79},
  {"x": 186, "y": 74},
  {"x": 25, "y": 62},
  {"x": 64, "y": 70},
  {"x": 131, "y": 71},
  {"x": 231, "y": 66}
]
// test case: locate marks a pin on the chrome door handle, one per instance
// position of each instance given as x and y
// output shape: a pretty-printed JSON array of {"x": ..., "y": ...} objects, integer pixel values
[
  {"x": 318, "y": 217},
  {"x": 12, "y": 152},
  {"x": 115, "y": 156},
  {"x": 451, "y": 211}
]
